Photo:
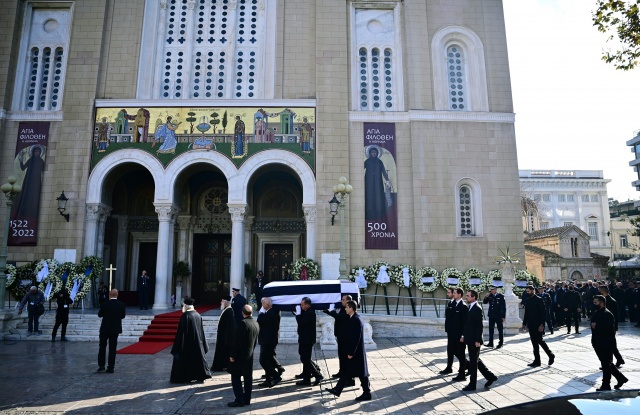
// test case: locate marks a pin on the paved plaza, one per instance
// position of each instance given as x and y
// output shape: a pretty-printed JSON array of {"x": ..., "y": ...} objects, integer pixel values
[{"x": 45, "y": 377}]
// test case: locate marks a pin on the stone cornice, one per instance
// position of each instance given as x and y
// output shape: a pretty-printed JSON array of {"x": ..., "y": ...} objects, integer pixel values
[
  {"x": 196, "y": 103},
  {"x": 34, "y": 115},
  {"x": 564, "y": 183},
  {"x": 429, "y": 115}
]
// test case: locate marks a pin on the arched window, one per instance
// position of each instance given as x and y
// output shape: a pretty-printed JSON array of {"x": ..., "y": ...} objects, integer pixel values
[
  {"x": 468, "y": 208},
  {"x": 459, "y": 66}
]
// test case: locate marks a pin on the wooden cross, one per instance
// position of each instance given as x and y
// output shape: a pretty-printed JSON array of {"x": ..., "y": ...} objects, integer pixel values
[{"x": 110, "y": 269}]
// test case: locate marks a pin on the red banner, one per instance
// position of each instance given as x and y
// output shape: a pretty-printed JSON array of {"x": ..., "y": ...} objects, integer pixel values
[
  {"x": 380, "y": 182},
  {"x": 31, "y": 150}
]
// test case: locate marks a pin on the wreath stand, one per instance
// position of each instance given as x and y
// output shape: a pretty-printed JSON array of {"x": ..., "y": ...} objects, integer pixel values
[
  {"x": 386, "y": 300},
  {"x": 413, "y": 306}
]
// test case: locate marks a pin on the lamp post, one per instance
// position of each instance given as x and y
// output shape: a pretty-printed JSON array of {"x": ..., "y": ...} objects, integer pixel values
[
  {"x": 343, "y": 188},
  {"x": 10, "y": 189}
]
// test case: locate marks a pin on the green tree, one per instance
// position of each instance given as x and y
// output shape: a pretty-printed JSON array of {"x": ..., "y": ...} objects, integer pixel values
[
  {"x": 215, "y": 121},
  {"x": 191, "y": 119},
  {"x": 224, "y": 123},
  {"x": 620, "y": 21}
]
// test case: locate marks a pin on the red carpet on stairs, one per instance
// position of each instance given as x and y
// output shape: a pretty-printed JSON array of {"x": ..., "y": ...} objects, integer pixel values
[{"x": 161, "y": 332}]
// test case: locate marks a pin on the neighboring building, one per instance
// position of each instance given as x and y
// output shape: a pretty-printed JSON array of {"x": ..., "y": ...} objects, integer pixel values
[
  {"x": 563, "y": 253},
  {"x": 624, "y": 244},
  {"x": 212, "y": 132},
  {"x": 570, "y": 197},
  {"x": 634, "y": 143}
]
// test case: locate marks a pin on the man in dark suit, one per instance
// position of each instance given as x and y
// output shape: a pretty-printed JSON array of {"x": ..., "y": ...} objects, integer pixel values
[
  {"x": 603, "y": 339},
  {"x": 306, "y": 319},
  {"x": 356, "y": 356},
  {"x": 144, "y": 286},
  {"x": 452, "y": 341},
  {"x": 534, "y": 319},
  {"x": 571, "y": 308},
  {"x": 237, "y": 304},
  {"x": 472, "y": 338},
  {"x": 341, "y": 332},
  {"x": 258, "y": 285},
  {"x": 617, "y": 292},
  {"x": 112, "y": 313},
  {"x": 456, "y": 327},
  {"x": 269, "y": 322},
  {"x": 559, "y": 311},
  {"x": 612, "y": 306},
  {"x": 241, "y": 359},
  {"x": 497, "y": 314},
  {"x": 546, "y": 300}
]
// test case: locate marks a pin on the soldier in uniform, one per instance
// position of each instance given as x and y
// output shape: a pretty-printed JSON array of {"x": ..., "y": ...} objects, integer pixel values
[
  {"x": 546, "y": 299},
  {"x": 497, "y": 314}
]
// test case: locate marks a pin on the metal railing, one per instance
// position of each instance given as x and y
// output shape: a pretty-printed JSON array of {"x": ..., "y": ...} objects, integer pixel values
[{"x": 395, "y": 305}]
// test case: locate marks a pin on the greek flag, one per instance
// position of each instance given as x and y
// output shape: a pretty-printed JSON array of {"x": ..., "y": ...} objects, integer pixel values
[{"x": 286, "y": 295}]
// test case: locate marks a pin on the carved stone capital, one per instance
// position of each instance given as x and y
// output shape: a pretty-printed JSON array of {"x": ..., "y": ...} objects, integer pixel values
[
  {"x": 104, "y": 211},
  {"x": 123, "y": 222},
  {"x": 93, "y": 212},
  {"x": 310, "y": 213},
  {"x": 166, "y": 213},
  {"x": 248, "y": 222},
  {"x": 237, "y": 212},
  {"x": 184, "y": 222}
]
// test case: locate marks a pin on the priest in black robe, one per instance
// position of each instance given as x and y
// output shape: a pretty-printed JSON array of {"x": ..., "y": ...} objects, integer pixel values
[
  {"x": 190, "y": 347},
  {"x": 226, "y": 329}
]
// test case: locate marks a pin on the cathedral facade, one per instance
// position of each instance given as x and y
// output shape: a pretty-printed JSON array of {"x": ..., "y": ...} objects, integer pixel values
[{"x": 212, "y": 132}]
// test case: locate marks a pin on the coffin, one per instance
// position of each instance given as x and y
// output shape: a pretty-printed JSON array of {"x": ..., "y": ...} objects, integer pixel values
[{"x": 286, "y": 295}]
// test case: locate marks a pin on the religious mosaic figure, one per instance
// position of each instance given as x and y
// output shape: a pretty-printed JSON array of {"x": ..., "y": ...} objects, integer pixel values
[
  {"x": 305, "y": 136},
  {"x": 121, "y": 123},
  {"x": 103, "y": 136},
  {"x": 27, "y": 202},
  {"x": 238, "y": 138},
  {"x": 376, "y": 182},
  {"x": 141, "y": 125},
  {"x": 167, "y": 131}
]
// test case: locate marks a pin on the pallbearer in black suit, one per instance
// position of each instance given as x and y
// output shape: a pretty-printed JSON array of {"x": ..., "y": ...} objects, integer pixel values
[
  {"x": 534, "y": 319},
  {"x": 356, "y": 356},
  {"x": 112, "y": 313},
  {"x": 612, "y": 306},
  {"x": 472, "y": 338},
  {"x": 497, "y": 314},
  {"x": 458, "y": 319},
  {"x": 603, "y": 339},
  {"x": 269, "y": 322},
  {"x": 452, "y": 340},
  {"x": 572, "y": 307},
  {"x": 189, "y": 347},
  {"x": 546, "y": 300},
  {"x": 241, "y": 360},
  {"x": 306, "y": 319},
  {"x": 340, "y": 329}
]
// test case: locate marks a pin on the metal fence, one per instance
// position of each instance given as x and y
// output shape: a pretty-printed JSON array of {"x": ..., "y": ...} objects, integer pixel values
[{"x": 395, "y": 305}]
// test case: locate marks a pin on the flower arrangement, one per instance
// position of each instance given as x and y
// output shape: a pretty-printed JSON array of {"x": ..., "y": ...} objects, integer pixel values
[
  {"x": 66, "y": 268},
  {"x": 93, "y": 265},
  {"x": 297, "y": 266},
  {"x": 51, "y": 263},
  {"x": 522, "y": 275},
  {"x": 453, "y": 274},
  {"x": 371, "y": 272},
  {"x": 253, "y": 302},
  {"x": 495, "y": 275},
  {"x": 75, "y": 272},
  {"x": 11, "y": 274},
  {"x": 24, "y": 273},
  {"x": 56, "y": 285},
  {"x": 477, "y": 280},
  {"x": 396, "y": 275},
  {"x": 429, "y": 274}
]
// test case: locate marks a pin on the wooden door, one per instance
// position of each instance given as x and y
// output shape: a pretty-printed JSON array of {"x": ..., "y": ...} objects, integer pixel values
[
  {"x": 211, "y": 267},
  {"x": 277, "y": 258}
]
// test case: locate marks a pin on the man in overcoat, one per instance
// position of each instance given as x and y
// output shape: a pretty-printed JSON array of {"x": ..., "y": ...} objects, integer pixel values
[
  {"x": 534, "y": 320},
  {"x": 603, "y": 340},
  {"x": 306, "y": 319},
  {"x": 472, "y": 337},
  {"x": 269, "y": 322},
  {"x": 341, "y": 331},
  {"x": 356, "y": 356},
  {"x": 241, "y": 360}
]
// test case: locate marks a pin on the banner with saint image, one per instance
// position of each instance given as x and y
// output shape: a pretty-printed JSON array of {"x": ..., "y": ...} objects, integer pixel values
[
  {"x": 28, "y": 168},
  {"x": 380, "y": 184}
]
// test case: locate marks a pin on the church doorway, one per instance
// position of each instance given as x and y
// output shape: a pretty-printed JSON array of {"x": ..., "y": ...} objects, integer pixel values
[
  {"x": 211, "y": 267},
  {"x": 147, "y": 254},
  {"x": 277, "y": 258}
]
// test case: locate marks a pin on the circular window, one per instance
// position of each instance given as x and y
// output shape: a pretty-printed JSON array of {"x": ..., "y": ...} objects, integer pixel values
[
  {"x": 50, "y": 25},
  {"x": 214, "y": 201}
]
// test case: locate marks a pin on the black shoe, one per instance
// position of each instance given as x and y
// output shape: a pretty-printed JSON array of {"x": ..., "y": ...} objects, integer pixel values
[
  {"x": 499, "y": 346},
  {"x": 620, "y": 363},
  {"x": 569, "y": 332},
  {"x": 318, "y": 380},
  {"x": 577, "y": 332},
  {"x": 109, "y": 370},
  {"x": 336, "y": 376},
  {"x": 603, "y": 388},
  {"x": 64, "y": 339},
  {"x": 265, "y": 384},
  {"x": 620, "y": 383},
  {"x": 551, "y": 331},
  {"x": 280, "y": 370},
  {"x": 263, "y": 377},
  {"x": 552, "y": 359},
  {"x": 332, "y": 391},
  {"x": 53, "y": 339},
  {"x": 350, "y": 383},
  {"x": 446, "y": 371},
  {"x": 458, "y": 379},
  {"x": 235, "y": 404},
  {"x": 490, "y": 345},
  {"x": 100, "y": 369},
  {"x": 469, "y": 388},
  {"x": 304, "y": 383},
  {"x": 490, "y": 382},
  {"x": 535, "y": 363},
  {"x": 300, "y": 376},
  {"x": 274, "y": 382},
  {"x": 364, "y": 397}
]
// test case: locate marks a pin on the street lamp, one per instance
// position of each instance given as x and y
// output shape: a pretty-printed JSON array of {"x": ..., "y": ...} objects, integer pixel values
[
  {"x": 10, "y": 189},
  {"x": 343, "y": 188},
  {"x": 62, "y": 205}
]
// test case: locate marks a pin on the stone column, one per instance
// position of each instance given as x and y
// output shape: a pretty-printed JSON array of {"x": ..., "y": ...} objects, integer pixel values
[
  {"x": 172, "y": 226},
  {"x": 310, "y": 217},
  {"x": 512, "y": 322},
  {"x": 605, "y": 215},
  {"x": 91, "y": 230},
  {"x": 121, "y": 252},
  {"x": 581, "y": 224},
  {"x": 165, "y": 239},
  {"x": 237, "y": 244},
  {"x": 555, "y": 209},
  {"x": 104, "y": 211},
  {"x": 248, "y": 224}
]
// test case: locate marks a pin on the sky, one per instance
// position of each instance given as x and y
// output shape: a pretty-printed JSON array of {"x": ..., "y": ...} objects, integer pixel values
[{"x": 573, "y": 110}]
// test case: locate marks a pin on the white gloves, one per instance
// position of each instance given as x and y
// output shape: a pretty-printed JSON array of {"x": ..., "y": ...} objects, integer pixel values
[
  {"x": 332, "y": 307},
  {"x": 298, "y": 310},
  {"x": 262, "y": 310}
]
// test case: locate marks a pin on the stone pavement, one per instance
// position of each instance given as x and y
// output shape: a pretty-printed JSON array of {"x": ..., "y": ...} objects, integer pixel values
[{"x": 45, "y": 377}]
